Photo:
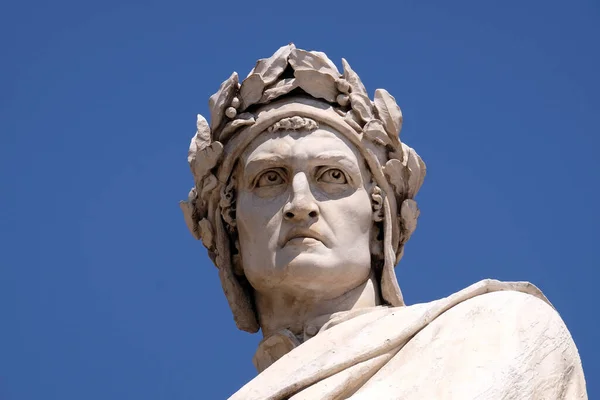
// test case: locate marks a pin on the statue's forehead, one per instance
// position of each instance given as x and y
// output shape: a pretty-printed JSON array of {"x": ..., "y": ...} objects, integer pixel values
[{"x": 287, "y": 144}]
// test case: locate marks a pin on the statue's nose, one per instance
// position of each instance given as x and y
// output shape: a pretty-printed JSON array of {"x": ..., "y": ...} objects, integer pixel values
[{"x": 302, "y": 204}]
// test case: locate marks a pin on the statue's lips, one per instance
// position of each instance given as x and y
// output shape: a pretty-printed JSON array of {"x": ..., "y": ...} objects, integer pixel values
[
  {"x": 303, "y": 236},
  {"x": 306, "y": 241}
]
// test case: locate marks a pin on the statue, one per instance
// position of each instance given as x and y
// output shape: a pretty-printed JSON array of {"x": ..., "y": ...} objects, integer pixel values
[{"x": 304, "y": 199}]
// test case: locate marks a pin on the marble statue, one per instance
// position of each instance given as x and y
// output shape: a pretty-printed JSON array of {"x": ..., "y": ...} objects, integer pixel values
[{"x": 304, "y": 198}]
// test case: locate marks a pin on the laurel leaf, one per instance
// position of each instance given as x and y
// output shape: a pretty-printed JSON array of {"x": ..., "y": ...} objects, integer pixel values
[
  {"x": 414, "y": 172},
  {"x": 271, "y": 68},
  {"x": 189, "y": 215},
  {"x": 265, "y": 72},
  {"x": 219, "y": 101},
  {"x": 204, "y": 160},
  {"x": 279, "y": 89},
  {"x": 375, "y": 131},
  {"x": 394, "y": 171},
  {"x": 324, "y": 57},
  {"x": 317, "y": 83},
  {"x": 422, "y": 171},
  {"x": 251, "y": 90},
  {"x": 353, "y": 120},
  {"x": 409, "y": 213},
  {"x": 353, "y": 79},
  {"x": 389, "y": 113},
  {"x": 201, "y": 139},
  {"x": 362, "y": 105},
  {"x": 306, "y": 60}
]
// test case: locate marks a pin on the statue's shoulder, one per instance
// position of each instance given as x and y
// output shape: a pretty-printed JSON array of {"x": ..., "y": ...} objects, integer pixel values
[
  {"x": 516, "y": 304},
  {"x": 501, "y": 339},
  {"x": 510, "y": 323},
  {"x": 490, "y": 340}
]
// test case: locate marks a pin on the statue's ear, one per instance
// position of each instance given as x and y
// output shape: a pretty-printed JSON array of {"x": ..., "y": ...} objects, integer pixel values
[
  {"x": 377, "y": 203},
  {"x": 377, "y": 233}
]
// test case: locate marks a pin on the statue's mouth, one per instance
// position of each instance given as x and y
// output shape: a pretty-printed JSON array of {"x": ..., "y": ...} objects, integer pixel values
[{"x": 300, "y": 236}]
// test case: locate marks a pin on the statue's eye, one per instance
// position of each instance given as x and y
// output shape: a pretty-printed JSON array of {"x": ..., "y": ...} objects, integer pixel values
[
  {"x": 333, "y": 175},
  {"x": 270, "y": 178}
]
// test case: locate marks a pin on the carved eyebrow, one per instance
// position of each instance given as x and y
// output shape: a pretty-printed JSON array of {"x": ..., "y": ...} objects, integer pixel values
[
  {"x": 260, "y": 162},
  {"x": 338, "y": 158}
]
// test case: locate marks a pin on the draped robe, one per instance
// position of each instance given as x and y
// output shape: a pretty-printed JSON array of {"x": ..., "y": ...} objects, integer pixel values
[{"x": 492, "y": 340}]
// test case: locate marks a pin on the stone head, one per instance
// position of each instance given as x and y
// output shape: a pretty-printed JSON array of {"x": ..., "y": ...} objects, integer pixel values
[
  {"x": 301, "y": 183},
  {"x": 304, "y": 213}
]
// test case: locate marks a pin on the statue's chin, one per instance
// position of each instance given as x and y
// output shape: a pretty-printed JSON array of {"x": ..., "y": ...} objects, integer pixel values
[
  {"x": 304, "y": 256},
  {"x": 314, "y": 269},
  {"x": 300, "y": 247}
]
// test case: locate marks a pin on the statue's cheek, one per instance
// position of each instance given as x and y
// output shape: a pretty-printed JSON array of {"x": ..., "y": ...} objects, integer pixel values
[
  {"x": 349, "y": 216},
  {"x": 259, "y": 216}
]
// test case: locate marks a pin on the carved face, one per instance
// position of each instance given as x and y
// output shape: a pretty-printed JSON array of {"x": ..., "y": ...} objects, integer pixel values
[{"x": 304, "y": 213}]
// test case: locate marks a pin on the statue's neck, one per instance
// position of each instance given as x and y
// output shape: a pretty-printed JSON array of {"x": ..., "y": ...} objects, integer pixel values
[{"x": 279, "y": 310}]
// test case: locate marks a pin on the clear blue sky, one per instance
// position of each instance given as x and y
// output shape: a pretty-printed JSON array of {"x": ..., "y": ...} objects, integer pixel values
[{"x": 104, "y": 294}]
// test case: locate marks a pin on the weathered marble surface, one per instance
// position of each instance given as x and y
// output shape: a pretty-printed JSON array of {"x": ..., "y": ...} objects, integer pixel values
[
  {"x": 304, "y": 198},
  {"x": 492, "y": 340}
]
